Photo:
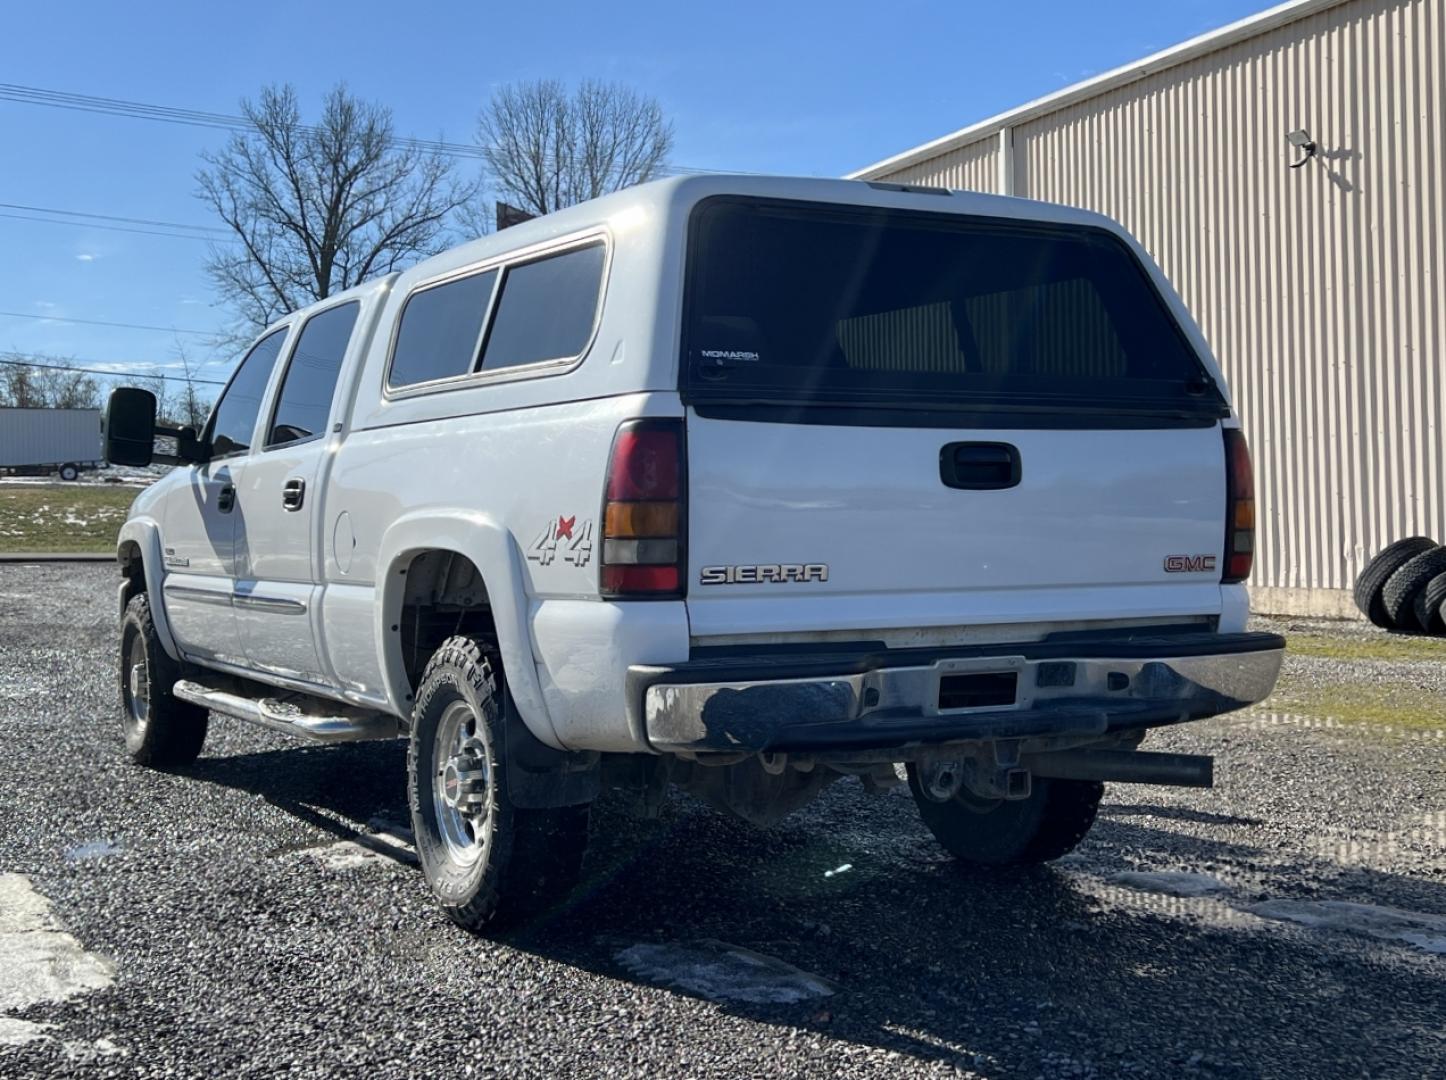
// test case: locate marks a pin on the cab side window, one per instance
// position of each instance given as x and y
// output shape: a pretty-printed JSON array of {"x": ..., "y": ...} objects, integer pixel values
[
  {"x": 234, "y": 421},
  {"x": 304, "y": 402}
]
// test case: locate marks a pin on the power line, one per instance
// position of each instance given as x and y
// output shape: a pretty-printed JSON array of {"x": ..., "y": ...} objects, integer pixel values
[
  {"x": 102, "y": 322},
  {"x": 111, "y": 374},
  {"x": 58, "y": 99},
  {"x": 115, "y": 217},
  {"x": 112, "y": 228},
  {"x": 109, "y": 106}
]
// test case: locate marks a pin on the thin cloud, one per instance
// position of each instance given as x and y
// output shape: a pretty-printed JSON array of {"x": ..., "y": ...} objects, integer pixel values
[{"x": 86, "y": 256}]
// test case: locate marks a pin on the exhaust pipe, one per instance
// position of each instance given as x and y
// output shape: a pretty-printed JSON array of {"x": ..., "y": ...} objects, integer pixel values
[{"x": 1124, "y": 766}]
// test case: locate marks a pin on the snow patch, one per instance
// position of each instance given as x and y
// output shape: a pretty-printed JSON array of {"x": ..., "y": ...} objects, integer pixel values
[
  {"x": 87, "y": 1053},
  {"x": 15, "y": 1032},
  {"x": 384, "y": 842},
  {"x": 1170, "y": 882},
  {"x": 1427, "y": 932},
  {"x": 39, "y": 961},
  {"x": 719, "y": 971}
]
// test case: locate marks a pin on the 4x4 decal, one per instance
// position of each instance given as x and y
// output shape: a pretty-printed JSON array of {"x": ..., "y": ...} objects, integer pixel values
[{"x": 564, "y": 537}]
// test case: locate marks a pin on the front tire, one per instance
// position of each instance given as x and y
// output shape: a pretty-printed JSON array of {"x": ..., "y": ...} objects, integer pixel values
[
  {"x": 160, "y": 729},
  {"x": 484, "y": 858},
  {"x": 1008, "y": 832}
]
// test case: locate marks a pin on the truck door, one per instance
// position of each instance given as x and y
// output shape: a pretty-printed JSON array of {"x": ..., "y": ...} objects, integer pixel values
[
  {"x": 278, "y": 549},
  {"x": 202, "y": 518}
]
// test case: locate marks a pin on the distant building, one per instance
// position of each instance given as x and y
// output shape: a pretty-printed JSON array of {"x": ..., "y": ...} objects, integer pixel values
[{"x": 1322, "y": 289}]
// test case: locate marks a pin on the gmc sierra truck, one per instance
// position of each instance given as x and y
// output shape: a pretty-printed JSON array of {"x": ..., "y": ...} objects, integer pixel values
[{"x": 743, "y": 485}]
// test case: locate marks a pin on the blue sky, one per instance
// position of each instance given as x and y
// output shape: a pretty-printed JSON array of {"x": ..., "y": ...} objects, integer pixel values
[{"x": 816, "y": 89}]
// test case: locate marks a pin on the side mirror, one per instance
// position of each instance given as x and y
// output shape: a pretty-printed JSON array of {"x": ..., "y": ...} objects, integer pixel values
[
  {"x": 130, "y": 426},
  {"x": 130, "y": 432}
]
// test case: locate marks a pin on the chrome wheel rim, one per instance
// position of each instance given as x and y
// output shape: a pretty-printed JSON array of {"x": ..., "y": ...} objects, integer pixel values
[
  {"x": 461, "y": 784},
  {"x": 137, "y": 686}
]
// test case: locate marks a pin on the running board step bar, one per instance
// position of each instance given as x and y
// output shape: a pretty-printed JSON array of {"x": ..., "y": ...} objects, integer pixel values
[
  {"x": 339, "y": 723},
  {"x": 1123, "y": 766}
]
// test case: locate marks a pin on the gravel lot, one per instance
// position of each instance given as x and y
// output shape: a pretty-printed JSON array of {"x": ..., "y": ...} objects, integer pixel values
[{"x": 1291, "y": 922}]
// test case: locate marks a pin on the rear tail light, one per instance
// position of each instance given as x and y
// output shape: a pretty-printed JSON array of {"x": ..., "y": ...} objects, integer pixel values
[
  {"x": 1239, "y": 508},
  {"x": 644, "y": 511}
]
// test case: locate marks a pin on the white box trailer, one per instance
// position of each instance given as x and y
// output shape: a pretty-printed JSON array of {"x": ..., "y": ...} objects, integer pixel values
[{"x": 37, "y": 442}]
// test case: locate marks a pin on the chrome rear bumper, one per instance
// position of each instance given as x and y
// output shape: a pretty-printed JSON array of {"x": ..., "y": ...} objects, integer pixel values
[{"x": 794, "y": 703}]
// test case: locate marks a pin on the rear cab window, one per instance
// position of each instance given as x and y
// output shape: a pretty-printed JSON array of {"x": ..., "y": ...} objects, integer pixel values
[{"x": 888, "y": 313}]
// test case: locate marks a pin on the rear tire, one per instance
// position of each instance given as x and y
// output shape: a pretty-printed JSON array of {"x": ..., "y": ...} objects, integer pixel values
[
  {"x": 1427, "y": 605},
  {"x": 485, "y": 859},
  {"x": 1008, "y": 832},
  {"x": 1402, "y": 587},
  {"x": 69, "y": 472},
  {"x": 1379, "y": 570},
  {"x": 160, "y": 729}
]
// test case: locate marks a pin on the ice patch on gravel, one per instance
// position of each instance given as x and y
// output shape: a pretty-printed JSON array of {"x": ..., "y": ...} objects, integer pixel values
[
  {"x": 39, "y": 961},
  {"x": 719, "y": 971},
  {"x": 1170, "y": 882},
  {"x": 1426, "y": 932},
  {"x": 93, "y": 849},
  {"x": 383, "y": 843}
]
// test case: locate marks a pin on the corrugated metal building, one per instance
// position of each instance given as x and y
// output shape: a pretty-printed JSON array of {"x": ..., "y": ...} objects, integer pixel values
[{"x": 1321, "y": 289}]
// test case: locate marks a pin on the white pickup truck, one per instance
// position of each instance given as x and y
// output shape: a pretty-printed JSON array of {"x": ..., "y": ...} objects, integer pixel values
[{"x": 743, "y": 485}]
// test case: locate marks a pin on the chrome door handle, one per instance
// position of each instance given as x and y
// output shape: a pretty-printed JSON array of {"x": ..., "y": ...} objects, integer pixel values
[
  {"x": 226, "y": 498},
  {"x": 293, "y": 493}
]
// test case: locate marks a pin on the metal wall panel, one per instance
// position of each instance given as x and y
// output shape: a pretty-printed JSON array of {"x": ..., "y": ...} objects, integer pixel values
[
  {"x": 970, "y": 168},
  {"x": 1321, "y": 289}
]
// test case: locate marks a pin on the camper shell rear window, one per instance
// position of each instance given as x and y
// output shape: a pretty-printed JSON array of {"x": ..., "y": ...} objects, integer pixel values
[{"x": 890, "y": 312}]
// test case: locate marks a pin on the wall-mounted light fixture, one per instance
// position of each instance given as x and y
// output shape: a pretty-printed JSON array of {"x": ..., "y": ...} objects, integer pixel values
[{"x": 1301, "y": 140}]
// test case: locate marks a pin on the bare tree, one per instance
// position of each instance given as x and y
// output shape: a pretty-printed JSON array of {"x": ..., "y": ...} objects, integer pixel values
[
  {"x": 25, "y": 384},
  {"x": 63, "y": 389},
  {"x": 190, "y": 407},
  {"x": 317, "y": 209},
  {"x": 549, "y": 149},
  {"x": 19, "y": 386}
]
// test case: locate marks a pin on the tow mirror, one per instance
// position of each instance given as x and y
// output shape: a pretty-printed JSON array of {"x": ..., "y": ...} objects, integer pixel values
[
  {"x": 130, "y": 426},
  {"x": 130, "y": 431}
]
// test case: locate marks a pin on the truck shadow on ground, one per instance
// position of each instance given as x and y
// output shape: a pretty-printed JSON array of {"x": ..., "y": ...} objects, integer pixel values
[{"x": 995, "y": 972}]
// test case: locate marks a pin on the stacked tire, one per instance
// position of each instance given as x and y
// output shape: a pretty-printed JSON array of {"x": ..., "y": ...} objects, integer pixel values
[{"x": 1404, "y": 587}]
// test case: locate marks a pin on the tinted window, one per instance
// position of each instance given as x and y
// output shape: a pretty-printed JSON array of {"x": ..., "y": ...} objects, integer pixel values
[
  {"x": 310, "y": 380},
  {"x": 234, "y": 421},
  {"x": 546, "y": 310},
  {"x": 440, "y": 330},
  {"x": 854, "y": 306}
]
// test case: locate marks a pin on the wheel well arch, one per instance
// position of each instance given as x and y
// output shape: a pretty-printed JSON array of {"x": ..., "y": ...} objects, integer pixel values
[
  {"x": 132, "y": 569},
  {"x": 468, "y": 565},
  {"x": 443, "y": 594}
]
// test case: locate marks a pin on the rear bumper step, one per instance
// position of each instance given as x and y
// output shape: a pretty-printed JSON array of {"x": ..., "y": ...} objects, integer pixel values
[{"x": 1058, "y": 689}]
